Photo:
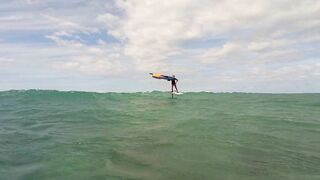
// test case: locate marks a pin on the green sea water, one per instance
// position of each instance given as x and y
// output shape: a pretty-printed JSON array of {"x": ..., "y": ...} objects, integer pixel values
[{"x": 81, "y": 135}]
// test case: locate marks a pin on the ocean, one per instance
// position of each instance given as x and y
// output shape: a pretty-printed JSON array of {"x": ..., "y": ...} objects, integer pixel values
[{"x": 54, "y": 135}]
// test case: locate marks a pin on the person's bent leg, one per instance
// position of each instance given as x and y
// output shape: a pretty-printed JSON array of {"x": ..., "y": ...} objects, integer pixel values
[{"x": 176, "y": 87}]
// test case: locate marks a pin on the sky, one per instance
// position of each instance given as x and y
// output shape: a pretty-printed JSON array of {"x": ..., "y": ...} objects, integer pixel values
[{"x": 112, "y": 45}]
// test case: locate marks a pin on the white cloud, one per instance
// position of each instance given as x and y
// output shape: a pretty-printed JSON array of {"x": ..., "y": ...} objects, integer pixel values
[
  {"x": 92, "y": 65},
  {"x": 257, "y": 51},
  {"x": 62, "y": 24},
  {"x": 219, "y": 54},
  {"x": 245, "y": 38},
  {"x": 33, "y": 1},
  {"x": 267, "y": 44},
  {"x": 110, "y": 20},
  {"x": 5, "y": 62},
  {"x": 155, "y": 31},
  {"x": 100, "y": 59}
]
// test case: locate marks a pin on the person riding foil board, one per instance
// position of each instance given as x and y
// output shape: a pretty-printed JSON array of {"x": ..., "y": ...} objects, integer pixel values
[
  {"x": 172, "y": 78},
  {"x": 174, "y": 81}
]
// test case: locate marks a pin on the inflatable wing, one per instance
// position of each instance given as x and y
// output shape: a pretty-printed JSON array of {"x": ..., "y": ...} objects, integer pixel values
[{"x": 160, "y": 76}]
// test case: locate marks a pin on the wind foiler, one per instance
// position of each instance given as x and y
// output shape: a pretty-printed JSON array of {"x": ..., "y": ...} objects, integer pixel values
[{"x": 168, "y": 78}]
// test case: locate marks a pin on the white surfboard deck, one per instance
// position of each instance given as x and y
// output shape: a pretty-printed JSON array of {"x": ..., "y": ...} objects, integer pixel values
[{"x": 177, "y": 93}]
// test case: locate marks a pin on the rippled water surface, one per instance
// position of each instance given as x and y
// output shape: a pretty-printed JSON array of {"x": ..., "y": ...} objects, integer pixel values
[{"x": 80, "y": 135}]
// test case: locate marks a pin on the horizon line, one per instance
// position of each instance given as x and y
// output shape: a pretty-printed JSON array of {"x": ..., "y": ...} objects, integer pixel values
[{"x": 128, "y": 92}]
